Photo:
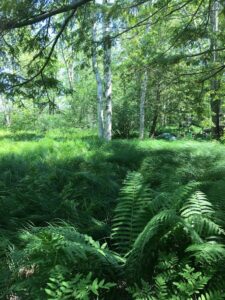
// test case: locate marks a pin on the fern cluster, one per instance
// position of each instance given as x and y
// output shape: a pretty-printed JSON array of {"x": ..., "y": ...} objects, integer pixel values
[
  {"x": 127, "y": 220},
  {"x": 186, "y": 226}
]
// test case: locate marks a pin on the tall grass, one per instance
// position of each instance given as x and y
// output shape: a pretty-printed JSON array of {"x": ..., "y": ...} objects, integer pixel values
[{"x": 74, "y": 177}]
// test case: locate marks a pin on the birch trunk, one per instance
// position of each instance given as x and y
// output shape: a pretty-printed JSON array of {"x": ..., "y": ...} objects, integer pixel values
[
  {"x": 96, "y": 71},
  {"x": 7, "y": 119},
  {"x": 143, "y": 98},
  {"x": 107, "y": 77},
  {"x": 142, "y": 105},
  {"x": 215, "y": 103},
  {"x": 7, "y": 112}
]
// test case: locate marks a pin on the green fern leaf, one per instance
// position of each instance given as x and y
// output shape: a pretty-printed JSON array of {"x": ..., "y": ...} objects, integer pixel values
[
  {"x": 127, "y": 223},
  {"x": 209, "y": 252}
]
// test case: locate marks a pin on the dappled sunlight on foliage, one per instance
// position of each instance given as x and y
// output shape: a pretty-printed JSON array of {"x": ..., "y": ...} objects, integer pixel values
[{"x": 65, "y": 208}]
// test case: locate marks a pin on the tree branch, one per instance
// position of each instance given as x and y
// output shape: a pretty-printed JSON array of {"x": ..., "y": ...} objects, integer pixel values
[
  {"x": 143, "y": 21},
  {"x": 12, "y": 24},
  {"x": 65, "y": 23}
]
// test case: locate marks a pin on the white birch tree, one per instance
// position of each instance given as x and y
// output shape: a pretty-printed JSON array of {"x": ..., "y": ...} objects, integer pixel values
[
  {"x": 107, "y": 75},
  {"x": 144, "y": 86},
  {"x": 100, "y": 109}
]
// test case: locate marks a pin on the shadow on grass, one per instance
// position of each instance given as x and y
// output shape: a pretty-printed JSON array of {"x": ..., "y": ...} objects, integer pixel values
[
  {"x": 80, "y": 189},
  {"x": 19, "y": 136},
  {"x": 38, "y": 187}
]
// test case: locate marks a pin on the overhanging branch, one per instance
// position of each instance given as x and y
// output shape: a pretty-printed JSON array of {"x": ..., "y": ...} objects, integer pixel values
[
  {"x": 13, "y": 24},
  {"x": 65, "y": 23}
]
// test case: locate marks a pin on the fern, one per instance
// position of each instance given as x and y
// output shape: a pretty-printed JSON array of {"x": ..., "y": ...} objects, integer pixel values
[
  {"x": 163, "y": 222},
  {"x": 127, "y": 222},
  {"x": 66, "y": 239},
  {"x": 208, "y": 252},
  {"x": 80, "y": 287},
  {"x": 192, "y": 282},
  {"x": 212, "y": 295},
  {"x": 161, "y": 288},
  {"x": 199, "y": 213},
  {"x": 44, "y": 248},
  {"x": 197, "y": 205},
  {"x": 143, "y": 292},
  {"x": 150, "y": 239}
]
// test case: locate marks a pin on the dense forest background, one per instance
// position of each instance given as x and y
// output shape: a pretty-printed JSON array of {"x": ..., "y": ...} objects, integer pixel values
[
  {"x": 130, "y": 68},
  {"x": 111, "y": 149}
]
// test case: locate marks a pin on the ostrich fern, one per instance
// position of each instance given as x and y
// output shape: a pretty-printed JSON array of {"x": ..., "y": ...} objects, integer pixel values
[
  {"x": 45, "y": 248},
  {"x": 127, "y": 223},
  {"x": 183, "y": 221}
]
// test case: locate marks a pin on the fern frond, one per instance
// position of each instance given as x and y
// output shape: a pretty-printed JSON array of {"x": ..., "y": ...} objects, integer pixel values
[
  {"x": 212, "y": 295},
  {"x": 164, "y": 220},
  {"x": 153, "y": 233},
  {"x": 198, "y": 212},
  {"x": 197, "y": 205},
  {"x": 49, "y": 246},
  {"x": 203, "y": 226},
  {"x": 183, "y": 192},
  {"x": 127, "y": 223},
  {"x": 161, "y": 288},
  {"x": 159, "y": 202},
  {"x": 209, "y": 252}
]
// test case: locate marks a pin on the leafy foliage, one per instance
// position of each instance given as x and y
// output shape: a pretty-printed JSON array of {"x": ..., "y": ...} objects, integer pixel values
[
  {"x": 127, "y": 222},
  {"x": 77, "y": 288},
  {"x": 136, "y": 220}
]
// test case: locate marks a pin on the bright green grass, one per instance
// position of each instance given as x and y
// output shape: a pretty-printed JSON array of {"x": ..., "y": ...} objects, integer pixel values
[
  {"x": 74, "y": 177},
  {"x": 61, "y": 175}
]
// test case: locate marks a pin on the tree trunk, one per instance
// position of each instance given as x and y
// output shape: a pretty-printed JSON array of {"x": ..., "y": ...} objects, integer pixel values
[
  {"x": 143, "y": 96},
  {"x": 107, "y": 76},
  {"x": 69, "y": 67},
  {"x": 215, "y": 102},
  {"x": 99, "y": 84},
  {"x": 7, "y": 105},
  {"x": 156, "y": 112},
  {"x": 154, "y": 124},
  {"x": 51, "y": 106},
  {"x": 142, "y": 105},
  {"x": 7, "y": 119}
]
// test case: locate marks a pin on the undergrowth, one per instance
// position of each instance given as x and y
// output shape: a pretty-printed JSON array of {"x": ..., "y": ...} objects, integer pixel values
[{"x": 85, "y": 219}]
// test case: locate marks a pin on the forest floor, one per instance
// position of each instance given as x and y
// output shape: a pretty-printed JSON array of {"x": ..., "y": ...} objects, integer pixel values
[
  {"x": 39, "y": 173},
  {"x": 76, "y": 178},
  {"x": 39, "y": 170}
]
